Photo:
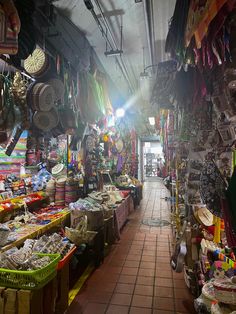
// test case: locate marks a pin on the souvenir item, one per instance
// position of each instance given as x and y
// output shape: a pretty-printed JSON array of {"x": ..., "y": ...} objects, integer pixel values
[
  {"x": 59, "y": 170},
  {"x": 68, "y": 120},
  {"x": 13, "y": 141},
  {"x": 51, "y": 190},
  {"x": 177, "y": 259},
  {"x": 119, "y": 145},
  {"x": 225, "y": 290},
  {"x": 227, "y": 133},
  {"x": 203, "y": 215},
  {"x": 60, "y": 191},
  {"x": 43, "y": 97},
  {"x": 71, "y": 191},
  {"x": 37, "y": 64},
  {"x": 10, "y": 27},
  {"x": 212, "y": 187},
  {"x": 58, "y": 87},
  {"x": 18, "y": 91},
  {"x": 90, "y": 143},
  {"x": 46, "y": 120}
]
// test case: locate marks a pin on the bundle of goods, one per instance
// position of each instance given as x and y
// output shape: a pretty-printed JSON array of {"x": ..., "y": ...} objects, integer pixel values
[
  {"x": 50, "y": 213},
  {"x": 94, "y": 212},
  {"x": 23, "y": 259},
  {"x": 80, "y": 233},
  {"x": 21, "y": 268},
  {"x": 21, "y": 201},
  {"x": 53, "y": 244}
]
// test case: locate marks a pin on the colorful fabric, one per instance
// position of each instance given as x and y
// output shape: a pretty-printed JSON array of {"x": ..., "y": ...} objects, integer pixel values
[{"x": 200, "y": 15}]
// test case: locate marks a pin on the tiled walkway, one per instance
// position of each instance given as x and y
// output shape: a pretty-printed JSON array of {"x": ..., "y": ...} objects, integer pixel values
[{"x": 136, "y": 276}]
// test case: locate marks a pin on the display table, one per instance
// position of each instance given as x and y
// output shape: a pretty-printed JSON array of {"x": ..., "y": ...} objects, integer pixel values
[
  {"x": 136, "y": 192},
  {"x": 121, "y": 214}
]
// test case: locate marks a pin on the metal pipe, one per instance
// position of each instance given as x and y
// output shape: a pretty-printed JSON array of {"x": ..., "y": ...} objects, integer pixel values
[
  {"x": 146, "y": 8},
  {"x": 119, "y": 61}
]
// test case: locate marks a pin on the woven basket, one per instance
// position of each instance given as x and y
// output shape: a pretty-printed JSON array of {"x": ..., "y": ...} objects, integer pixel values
[
  {"x": 225, "y": 291},
  {"x": 79, "y": 238}
]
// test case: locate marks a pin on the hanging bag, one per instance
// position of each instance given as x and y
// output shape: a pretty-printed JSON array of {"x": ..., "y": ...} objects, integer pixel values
[{"x": 9, "y": 28}]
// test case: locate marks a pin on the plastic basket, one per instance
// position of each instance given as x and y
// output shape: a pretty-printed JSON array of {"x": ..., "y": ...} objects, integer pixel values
[
  {"x": 66, "y": 258},
  {"x": 32, "y": 279}
]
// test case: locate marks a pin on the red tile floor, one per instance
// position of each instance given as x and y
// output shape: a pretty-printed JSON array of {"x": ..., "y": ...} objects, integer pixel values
[{"x": 136, "y": 277}]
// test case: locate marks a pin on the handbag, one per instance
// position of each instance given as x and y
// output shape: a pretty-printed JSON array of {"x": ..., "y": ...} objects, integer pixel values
[{"x": 9, "y": 28}]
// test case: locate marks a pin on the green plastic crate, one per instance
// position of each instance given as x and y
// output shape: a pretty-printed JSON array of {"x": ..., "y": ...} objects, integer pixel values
[{"x": 32, "y": 279}]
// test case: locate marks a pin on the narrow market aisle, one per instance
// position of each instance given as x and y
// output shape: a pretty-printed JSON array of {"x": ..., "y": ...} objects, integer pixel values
[{"x": 136, "y": 277}]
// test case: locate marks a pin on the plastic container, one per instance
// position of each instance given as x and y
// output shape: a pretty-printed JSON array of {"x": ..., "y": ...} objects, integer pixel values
[
  {"x": 66, "y": 258},
  {"x": 32, "y": 279}
]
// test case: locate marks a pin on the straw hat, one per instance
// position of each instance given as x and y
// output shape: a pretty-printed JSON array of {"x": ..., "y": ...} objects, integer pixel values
[{"x": 203, "y": 216}]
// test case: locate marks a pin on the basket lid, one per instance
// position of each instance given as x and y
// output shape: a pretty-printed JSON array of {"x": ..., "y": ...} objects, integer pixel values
[
  {"x": 36, "y": 62},
  {"x": 46, "y": 120},
  {"x": 44, "y": 96},
  {"x": 58, "y": 87}
]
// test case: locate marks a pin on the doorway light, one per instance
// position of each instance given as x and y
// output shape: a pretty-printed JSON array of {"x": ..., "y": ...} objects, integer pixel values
[
  {"x": 120, "y": 112},
  {"x": 151, "y": 120}
]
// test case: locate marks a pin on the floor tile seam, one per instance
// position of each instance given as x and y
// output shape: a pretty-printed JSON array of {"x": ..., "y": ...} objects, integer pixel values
[
  {"x": 172, "y": 276},
  {"x": 117, "y": 284},
  {"x": 135, "y": 283}
]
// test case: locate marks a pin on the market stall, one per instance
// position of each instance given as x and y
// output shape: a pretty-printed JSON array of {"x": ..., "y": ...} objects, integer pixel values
[
  {"x": 195, "y": 93},
  {"x": 62, "y": 152}
]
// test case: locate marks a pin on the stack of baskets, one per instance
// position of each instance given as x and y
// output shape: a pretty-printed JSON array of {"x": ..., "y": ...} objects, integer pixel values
[
  {"x": 71, "y": 191},
  {"x": 51, "y": 190},
  {"x": 60, "y": 191}
]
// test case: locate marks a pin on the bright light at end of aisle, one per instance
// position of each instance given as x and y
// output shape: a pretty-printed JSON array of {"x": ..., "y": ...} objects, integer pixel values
[
  {"x": 120, "y": 112},
  {"x": 151, "y": 120}
]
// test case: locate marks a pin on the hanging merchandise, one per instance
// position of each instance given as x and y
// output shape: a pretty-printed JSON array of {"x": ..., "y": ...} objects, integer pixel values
[
  {"x": 10, "y": 26},
  {"x": 175, "y": 44},
  {"x": 38, "y": 64},
  {"x": 46, "y": 120},
  {"x": 27, "y": 34},
  {"x": 58, "y": 87},
  {"x": 91, "y": 99},
  {"x": 18, "y": 91},
  {"x": 212, "y": 187}
]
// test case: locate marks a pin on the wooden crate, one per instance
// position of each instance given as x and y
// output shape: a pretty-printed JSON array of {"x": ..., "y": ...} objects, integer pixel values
[{"x": 51, "y": 299}]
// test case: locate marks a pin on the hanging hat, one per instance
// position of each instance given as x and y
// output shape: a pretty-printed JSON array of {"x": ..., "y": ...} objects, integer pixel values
[
  {"x": 46, "y": 120},
  {"x": 203, "y": 216},
  {"x": 58, "y": 170}
]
